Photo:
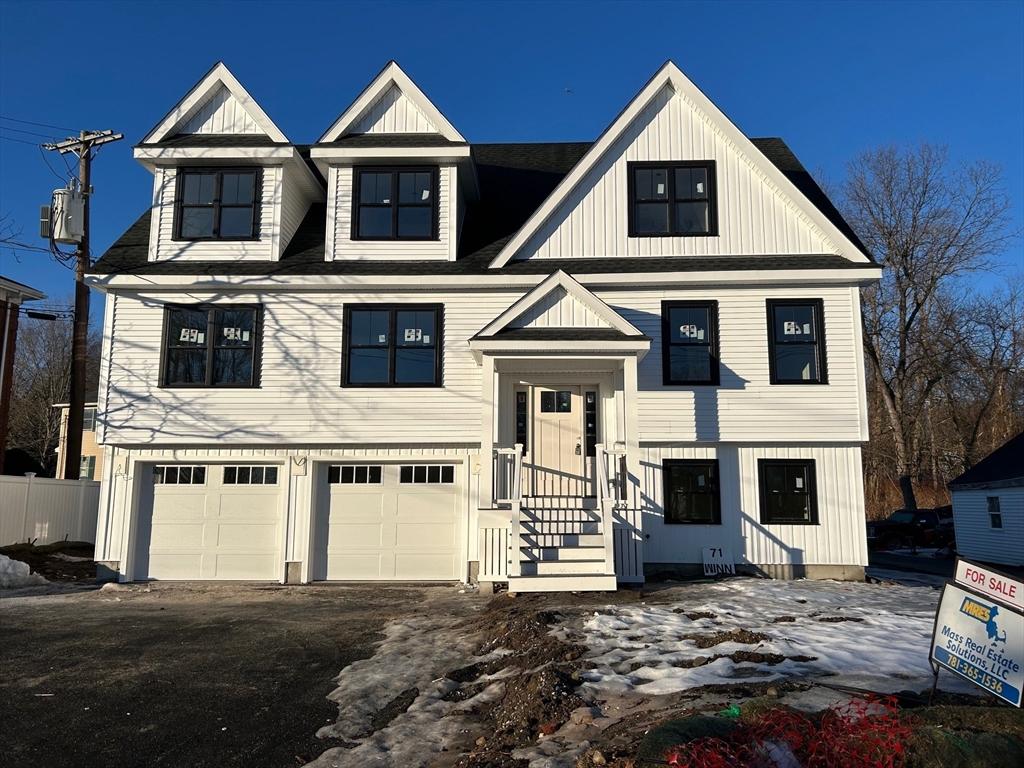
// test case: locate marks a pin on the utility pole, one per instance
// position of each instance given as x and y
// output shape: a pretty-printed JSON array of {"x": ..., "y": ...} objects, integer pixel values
[{"x": 82, "y": 147}]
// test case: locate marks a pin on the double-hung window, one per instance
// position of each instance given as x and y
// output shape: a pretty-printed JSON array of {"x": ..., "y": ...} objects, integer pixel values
[
  {"x": 395, "y": 204},
  {"x": 689, "y": 333},
  {"x": 672, "y": 199},
  {"x": 217, "y": 204},
  {"x": 995, "y": 516},
  {"x": 796, "y": 341},
  {"x": 788, "y": 491},
  {"x": 395, "y": 345},
  {"x": 691, "y": 491},
  {"x": 211, "y": 346}
]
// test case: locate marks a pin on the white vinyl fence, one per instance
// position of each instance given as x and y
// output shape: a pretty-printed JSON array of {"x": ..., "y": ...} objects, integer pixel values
[{"x": 47, "y": 510}]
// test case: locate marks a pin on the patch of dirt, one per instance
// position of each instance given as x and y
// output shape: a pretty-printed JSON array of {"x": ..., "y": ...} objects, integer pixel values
[
  {"x": 382, "y": 717},
  {"x": 695, "y": 615},
  {"x": 46, "y": 560},
  {"x": 732, "y": 636},
  {"x": 783, "y": 619},
  {"x": 838, "y": 619}
]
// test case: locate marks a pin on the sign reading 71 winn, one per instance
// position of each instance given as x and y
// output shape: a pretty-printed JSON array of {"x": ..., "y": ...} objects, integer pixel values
[{"x": 980, "y": 640}]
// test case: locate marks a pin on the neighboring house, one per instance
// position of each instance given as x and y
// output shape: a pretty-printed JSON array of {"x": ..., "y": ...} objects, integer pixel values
[
  {"x": 92, "y": 454},
  {"x": 988, "y": 507},
  {"x": 12, "y": 295},
  {"x": 319, "y": 359}
]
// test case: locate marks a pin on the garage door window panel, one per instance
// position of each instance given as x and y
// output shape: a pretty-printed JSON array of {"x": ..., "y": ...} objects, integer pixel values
[
  {"x": 179, "y": 475},
  {"x": 250, "y": 475},
  {"x": 354, "y": 474},
  {"x": 392, "y": 346},
  {"x": 211, "y": 346},
  {"x": 427, "y": 473}
]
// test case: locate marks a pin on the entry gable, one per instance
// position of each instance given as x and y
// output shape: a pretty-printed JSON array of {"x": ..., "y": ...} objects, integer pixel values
[
  {"x": 392, "y": 103},
  {"x": 560, "y": 302},
  {"x": 217, "y": 104},
  {"x": 760, "y": 211}
]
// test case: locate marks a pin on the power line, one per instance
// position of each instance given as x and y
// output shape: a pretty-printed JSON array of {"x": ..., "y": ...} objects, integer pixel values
[
  {"x": 33, "y": 122},
  {"x": 29, "y": 133},
  {"x": 20, "y": 141}
]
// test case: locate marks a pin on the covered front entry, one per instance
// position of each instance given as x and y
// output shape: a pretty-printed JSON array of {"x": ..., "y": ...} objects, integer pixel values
[
  {"x": 557, "y": 425},
  {"x": 209, "y": 521},
  {"x": 389, "y": 521}
]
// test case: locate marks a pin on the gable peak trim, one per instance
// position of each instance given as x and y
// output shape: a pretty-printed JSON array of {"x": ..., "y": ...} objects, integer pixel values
[
  {"x": 208, "y": 86},
  {"x": 671, "y": 76},
  {"x": 392, "y": 75}
]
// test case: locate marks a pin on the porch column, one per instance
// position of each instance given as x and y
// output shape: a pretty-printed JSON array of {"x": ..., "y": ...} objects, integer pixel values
[
  {"x": 488, "y": 404},
  {"x": 632, "y": 433}
]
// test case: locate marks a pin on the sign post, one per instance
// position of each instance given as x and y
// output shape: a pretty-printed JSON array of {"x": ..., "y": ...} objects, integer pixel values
[{"x": 979, "y": 631}]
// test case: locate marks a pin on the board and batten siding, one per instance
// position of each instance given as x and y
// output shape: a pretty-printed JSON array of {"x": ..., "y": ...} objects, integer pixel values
[
  {"x": 559, "y": 310},
  {"x": 221, "y": 114},
  {"x": 840, "y": 538},
  {"x": 976, "y": 538},
  {"x": 746, "y": 406},
  {"x": 393, "y": 112},
  {"x": 300, "y": 397},
  {"x": 163, "y": 246},
  {"x": 340, "y": 244},
  {"x": 755, "y": 217}
]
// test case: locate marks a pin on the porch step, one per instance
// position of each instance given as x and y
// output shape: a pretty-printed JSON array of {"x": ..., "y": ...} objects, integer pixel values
[
  {"x": 559, "y": 540},
  {"x": 560, "y": 515},
  {"x": 538, "y": 554},
  {"x": 561, "y": 567},
  {"x": 563, "y": 583},
  {"x": 559, "y": 527}
]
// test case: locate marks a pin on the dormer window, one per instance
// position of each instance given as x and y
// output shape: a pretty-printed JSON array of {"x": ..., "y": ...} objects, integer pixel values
[
  {"x": 672, "y": 199},
  {"x": 395, "y": 204},
  {"x": 217, "y": 204}
]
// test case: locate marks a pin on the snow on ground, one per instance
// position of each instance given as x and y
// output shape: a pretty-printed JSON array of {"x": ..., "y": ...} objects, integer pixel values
[
  {"x": 412, "y": 655},
  {"x": 15, "y": 574},
  {"x": 872, "y": 633}
]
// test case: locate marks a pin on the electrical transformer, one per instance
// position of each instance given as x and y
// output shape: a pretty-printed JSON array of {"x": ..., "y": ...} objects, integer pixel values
[{"x": 67, "y": 216}]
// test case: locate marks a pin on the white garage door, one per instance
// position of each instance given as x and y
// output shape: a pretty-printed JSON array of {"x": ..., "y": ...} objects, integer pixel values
[
  {"x": 391, "y": 522},
  {"x": 211, "y": 522}
]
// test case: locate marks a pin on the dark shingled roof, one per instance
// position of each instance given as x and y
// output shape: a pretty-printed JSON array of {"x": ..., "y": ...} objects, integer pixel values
[
  {"x": 514, "y": 180},
  {"x": 393, "y": 140},
  {"x": 564, "y": 334},
  {"x": 218, "y": 140},
  {"x": 1005, "y": 463}
]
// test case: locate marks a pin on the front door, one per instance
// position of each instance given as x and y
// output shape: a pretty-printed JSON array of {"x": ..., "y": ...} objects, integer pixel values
[{"x": 557, "y": 466}]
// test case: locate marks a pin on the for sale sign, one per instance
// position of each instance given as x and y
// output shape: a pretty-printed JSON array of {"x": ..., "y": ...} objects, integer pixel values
[
  {"x": 980, "y": 640},
  {"x": 998, "y": 586}
]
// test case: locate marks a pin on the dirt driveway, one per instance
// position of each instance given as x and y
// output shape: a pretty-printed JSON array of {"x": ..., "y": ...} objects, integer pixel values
[{"x": 187, "y": 675}]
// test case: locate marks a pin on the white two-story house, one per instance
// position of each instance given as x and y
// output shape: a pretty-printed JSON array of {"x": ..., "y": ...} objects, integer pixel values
[{"x": 397, "y": 355}]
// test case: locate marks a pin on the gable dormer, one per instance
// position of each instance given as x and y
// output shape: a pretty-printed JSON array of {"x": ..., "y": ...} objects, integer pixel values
[
  {"x": 228, "y": 184},
  {"x": 672, "y": 176},
  {"x": 398, "y": 175}
]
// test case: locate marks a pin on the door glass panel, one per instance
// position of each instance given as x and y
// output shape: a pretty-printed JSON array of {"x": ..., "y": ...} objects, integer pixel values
[{"x": 564, "y": 401}]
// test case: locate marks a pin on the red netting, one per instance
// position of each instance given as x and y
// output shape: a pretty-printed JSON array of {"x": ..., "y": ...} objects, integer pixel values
[{"x": 866, "y": 733}]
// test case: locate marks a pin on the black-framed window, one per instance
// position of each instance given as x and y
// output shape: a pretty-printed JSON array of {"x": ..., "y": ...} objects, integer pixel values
[
  {"x": 522, "y": 420},
  {"x": 590, "y": 423},
  {"x": 217, "y": 204},
  {"x": 995, "y": 516},
  {"x": 689, "y": 338},
  {"x": 789, "y": 491},
  {"x": 556, "y": 402},
  {"x": 672, "y": 199},
  {"x": 397, "y": 345},
  {"x": 691, "y": 491},
  {"x": 395, "y": 204},
  {"x": 211, "y": 346},
  {"x": 796, "y": 341}
]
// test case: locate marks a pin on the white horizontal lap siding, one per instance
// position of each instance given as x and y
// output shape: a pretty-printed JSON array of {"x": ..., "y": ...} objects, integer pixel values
[
  {"x": 975, "y": 536},
  {"x": 754, "y": 217},
  {"x": 300, "y": 398},
  {"x": 294, "y": 204},
  {"x": 838, "y": 539},
  {"x": 344, "y": 247},
  {"x": 164, "y": 246},
  {"x": 746, "y": 406}
]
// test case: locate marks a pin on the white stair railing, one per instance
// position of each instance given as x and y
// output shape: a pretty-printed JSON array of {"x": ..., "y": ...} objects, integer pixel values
[
  {"x": 508, "y": 489},
  {"x": 611, "y": 494}
]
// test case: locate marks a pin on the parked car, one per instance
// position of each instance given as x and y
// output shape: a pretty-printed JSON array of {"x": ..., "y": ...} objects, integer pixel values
[{"x": 913, "y": 528}]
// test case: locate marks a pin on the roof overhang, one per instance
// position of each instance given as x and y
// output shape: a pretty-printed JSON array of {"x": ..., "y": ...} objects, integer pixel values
[
  {"x": 327, "y": 155},
  {"x": 12, "y": 290},
  {"x": 153, "y": 156},
  {"x": 496, "y": 347}
]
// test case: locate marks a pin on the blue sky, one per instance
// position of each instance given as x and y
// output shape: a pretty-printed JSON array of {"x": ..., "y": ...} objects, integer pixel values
[{"x": 832, "y": 78}]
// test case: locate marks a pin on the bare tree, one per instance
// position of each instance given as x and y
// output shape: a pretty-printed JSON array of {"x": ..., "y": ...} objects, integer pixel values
[{"x": 929, "y": 223}]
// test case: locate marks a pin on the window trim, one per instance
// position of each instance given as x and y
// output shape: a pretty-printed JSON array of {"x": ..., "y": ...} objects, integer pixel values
[
  {"x": 666, "y": 343},
  {"x": 219, "y": 171},
  {"x": 762, "y": 490},
  {"x": 994, "y": 516},
  {"x": 394, "y": 170},
  {"x": 665, "y": 464},
  {"x": 818, "y": 306},
  {"x": 257, "y": 346},
  {"x": 346, "y": 339},
  {"x": 672, "y": 165}
]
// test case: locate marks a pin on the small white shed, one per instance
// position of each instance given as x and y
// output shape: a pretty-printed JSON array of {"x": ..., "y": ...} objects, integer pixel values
[{"x": 988, "y": 507}]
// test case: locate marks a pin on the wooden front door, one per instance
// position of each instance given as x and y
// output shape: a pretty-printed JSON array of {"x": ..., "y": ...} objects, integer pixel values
[{"x": 557, "y": 466}]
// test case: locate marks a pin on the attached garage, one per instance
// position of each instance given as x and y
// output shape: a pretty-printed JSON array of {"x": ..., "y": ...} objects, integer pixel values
[
  {"x": 389, "y": 521},
  {"x": 209, "y": 522}
]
